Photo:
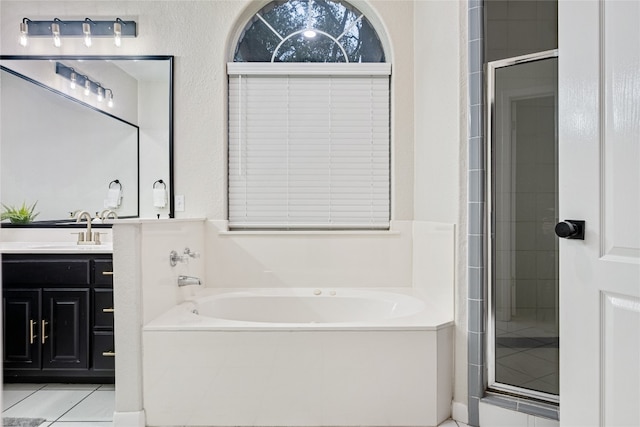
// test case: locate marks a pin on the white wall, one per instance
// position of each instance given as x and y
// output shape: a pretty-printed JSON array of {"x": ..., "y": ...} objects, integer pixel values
[
  {"x": 197, "y": 33},
  {"x": 123, "y": 86},
  {"x": 301, "y": 259},
  {"x": 424, "y": 45},
  {"x": 440, "y": 164},
  {"x": 154, "y": 140}
]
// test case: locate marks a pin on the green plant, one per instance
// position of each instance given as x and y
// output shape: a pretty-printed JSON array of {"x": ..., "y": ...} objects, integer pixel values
[{"x": 22, "y": 215}]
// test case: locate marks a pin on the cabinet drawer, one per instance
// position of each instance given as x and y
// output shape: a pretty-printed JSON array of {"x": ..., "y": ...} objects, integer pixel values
[
  {"x": 103, "y": 308},
  {"x": 103, "y": 272},
  {"x": 46, "y": 271},
  {"x": 103, "y": 351}
]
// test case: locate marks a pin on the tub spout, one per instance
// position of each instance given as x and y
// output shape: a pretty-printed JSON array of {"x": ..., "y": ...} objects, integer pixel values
[{"x": 188, "y": 280}]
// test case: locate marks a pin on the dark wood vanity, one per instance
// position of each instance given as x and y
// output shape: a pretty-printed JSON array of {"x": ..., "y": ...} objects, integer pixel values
[{"x": 58, "y": 317}]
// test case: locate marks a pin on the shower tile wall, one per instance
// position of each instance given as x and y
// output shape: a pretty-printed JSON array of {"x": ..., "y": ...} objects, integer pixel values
[
  {"x": 527, "y": 277},
  {"x": 477, "y": 291},
  {"x": 519, "y": 27}
]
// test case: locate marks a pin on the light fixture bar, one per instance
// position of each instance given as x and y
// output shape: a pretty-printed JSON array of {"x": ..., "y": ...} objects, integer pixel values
[
  {"x": 75, "y": 28},
  {"x": 84, "y": 81}
]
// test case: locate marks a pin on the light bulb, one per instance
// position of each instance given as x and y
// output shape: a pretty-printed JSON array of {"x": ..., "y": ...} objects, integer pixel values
[
  {"x": 55, "y": 30},
  {"x": 110, "y": 99},
  {"x": 24, "y": 34},
  {"x": 86, "y": 29},
  {"x": 100, "y": 94},
  {"x": 117, "y": 34},
  {"x": 73, "y": 79},
  {"x": 309, "y": 33},
  {"x": 87, "y": 87}
]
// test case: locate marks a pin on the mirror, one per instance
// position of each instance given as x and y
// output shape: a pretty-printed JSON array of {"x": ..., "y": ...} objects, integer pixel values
[{"x": 69, "y": 150}]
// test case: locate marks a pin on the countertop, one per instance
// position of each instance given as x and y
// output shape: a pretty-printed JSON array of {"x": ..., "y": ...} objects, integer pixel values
[{"x": 54, "y": 248}]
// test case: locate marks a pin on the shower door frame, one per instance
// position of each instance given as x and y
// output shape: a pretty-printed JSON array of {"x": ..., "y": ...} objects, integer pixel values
[{"x": 490, "y": 73}]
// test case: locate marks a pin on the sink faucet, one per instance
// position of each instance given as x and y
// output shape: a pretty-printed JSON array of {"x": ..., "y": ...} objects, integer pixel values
[
  {"x": 188, "y": 280},
  {"x": 108, "y": 213},
  {"x": 87, "y": 239}
]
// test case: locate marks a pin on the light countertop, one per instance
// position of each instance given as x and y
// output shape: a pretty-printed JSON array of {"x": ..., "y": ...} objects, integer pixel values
[{"x": 54, "y": 248}]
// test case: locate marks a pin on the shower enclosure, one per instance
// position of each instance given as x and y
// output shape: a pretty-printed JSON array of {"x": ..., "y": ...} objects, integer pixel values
[{"x": 523, "y": 253}]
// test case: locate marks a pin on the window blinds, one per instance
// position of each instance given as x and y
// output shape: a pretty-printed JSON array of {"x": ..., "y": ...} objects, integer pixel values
[{"x": 309, "y": 146}]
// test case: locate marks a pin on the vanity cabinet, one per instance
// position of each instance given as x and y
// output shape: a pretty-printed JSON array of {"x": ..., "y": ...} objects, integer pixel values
[{"x": 58, "y": 317}]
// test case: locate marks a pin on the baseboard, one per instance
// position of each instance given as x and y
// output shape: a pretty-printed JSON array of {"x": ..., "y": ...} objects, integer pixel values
[
  {"x": 129, "y": 419},
  {"x": 460, "y": 412}
]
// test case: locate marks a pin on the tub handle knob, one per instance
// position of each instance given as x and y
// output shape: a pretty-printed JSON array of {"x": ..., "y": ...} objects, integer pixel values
[
  {"x": 174, "y": 257},
  {"x": 191, "y": 254}
]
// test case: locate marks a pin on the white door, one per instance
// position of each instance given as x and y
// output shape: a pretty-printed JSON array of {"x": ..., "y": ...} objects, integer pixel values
[{"x": 599, "y": 176}]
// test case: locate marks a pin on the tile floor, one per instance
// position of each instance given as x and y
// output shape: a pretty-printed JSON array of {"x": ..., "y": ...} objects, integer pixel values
[
  {"x": 73, "y": 405},
  {"x": 527, "y": 354},
  {"x": 62, "y": 405}
]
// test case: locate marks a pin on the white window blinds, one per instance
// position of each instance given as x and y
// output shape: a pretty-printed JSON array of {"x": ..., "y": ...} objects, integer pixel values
[{"x": 308, "y": 146}]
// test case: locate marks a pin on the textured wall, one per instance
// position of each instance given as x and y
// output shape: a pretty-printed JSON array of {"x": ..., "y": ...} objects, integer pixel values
[{"x": 199, "y": 34}]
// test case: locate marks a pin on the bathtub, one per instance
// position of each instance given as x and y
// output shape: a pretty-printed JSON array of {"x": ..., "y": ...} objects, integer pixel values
[{"x": 299, "y": 357}]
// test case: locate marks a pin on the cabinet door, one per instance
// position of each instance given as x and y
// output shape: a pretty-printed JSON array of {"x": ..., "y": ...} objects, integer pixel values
[
  {"x": 64, "y": 329},
  {"x": 103, "y": 272},
  {"x": 103, "y": 351},
  {"x": 103, "y": 308},
  {"x": 21, "y": 320}
]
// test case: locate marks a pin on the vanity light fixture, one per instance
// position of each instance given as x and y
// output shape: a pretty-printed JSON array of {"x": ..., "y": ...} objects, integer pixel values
[
  {"x": 117, "y": 32},
  {"x": 55, "y": 30},
  {"x": 109, "y": 93},
  {"x": 73, "y": 77},
  {"x": 24, "y": 32},
  {"x": 76, "y": 78},
  {"x": 87, "y": 30}
]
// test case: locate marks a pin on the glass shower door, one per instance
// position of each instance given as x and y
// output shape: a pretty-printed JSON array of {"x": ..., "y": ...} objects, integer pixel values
[{"x": 523, "y": 194}]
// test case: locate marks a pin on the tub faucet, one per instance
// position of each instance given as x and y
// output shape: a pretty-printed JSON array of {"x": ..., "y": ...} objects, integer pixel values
[{"x": 188, "y": 280}]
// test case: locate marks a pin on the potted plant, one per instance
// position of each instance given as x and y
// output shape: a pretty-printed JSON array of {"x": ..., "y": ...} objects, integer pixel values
[{"x": 22, "y": 215}]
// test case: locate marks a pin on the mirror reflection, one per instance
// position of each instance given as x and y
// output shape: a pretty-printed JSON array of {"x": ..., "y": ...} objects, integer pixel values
[{"x": 69, "y": 149}]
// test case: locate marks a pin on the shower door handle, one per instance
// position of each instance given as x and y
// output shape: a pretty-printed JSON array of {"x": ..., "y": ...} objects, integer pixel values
[{"x": 570, "y": 229}]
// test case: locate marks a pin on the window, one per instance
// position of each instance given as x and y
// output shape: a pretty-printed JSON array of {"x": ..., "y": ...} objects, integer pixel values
[
  {"x": 309, "y": 31},
  {"x": 308, "y": 143}
]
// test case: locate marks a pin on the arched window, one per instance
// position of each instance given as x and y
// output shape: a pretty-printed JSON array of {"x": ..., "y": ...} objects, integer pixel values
[
  {"x": 309, "y": 120},
  {"x": 309, "y": 31}
]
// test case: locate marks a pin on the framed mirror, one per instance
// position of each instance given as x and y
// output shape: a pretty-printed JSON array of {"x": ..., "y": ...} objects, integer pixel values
[{"x": 87, "y": 133}]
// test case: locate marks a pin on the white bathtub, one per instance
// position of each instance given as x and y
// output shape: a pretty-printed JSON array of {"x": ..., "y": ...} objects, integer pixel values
[{"x": 299, "y": 357}]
